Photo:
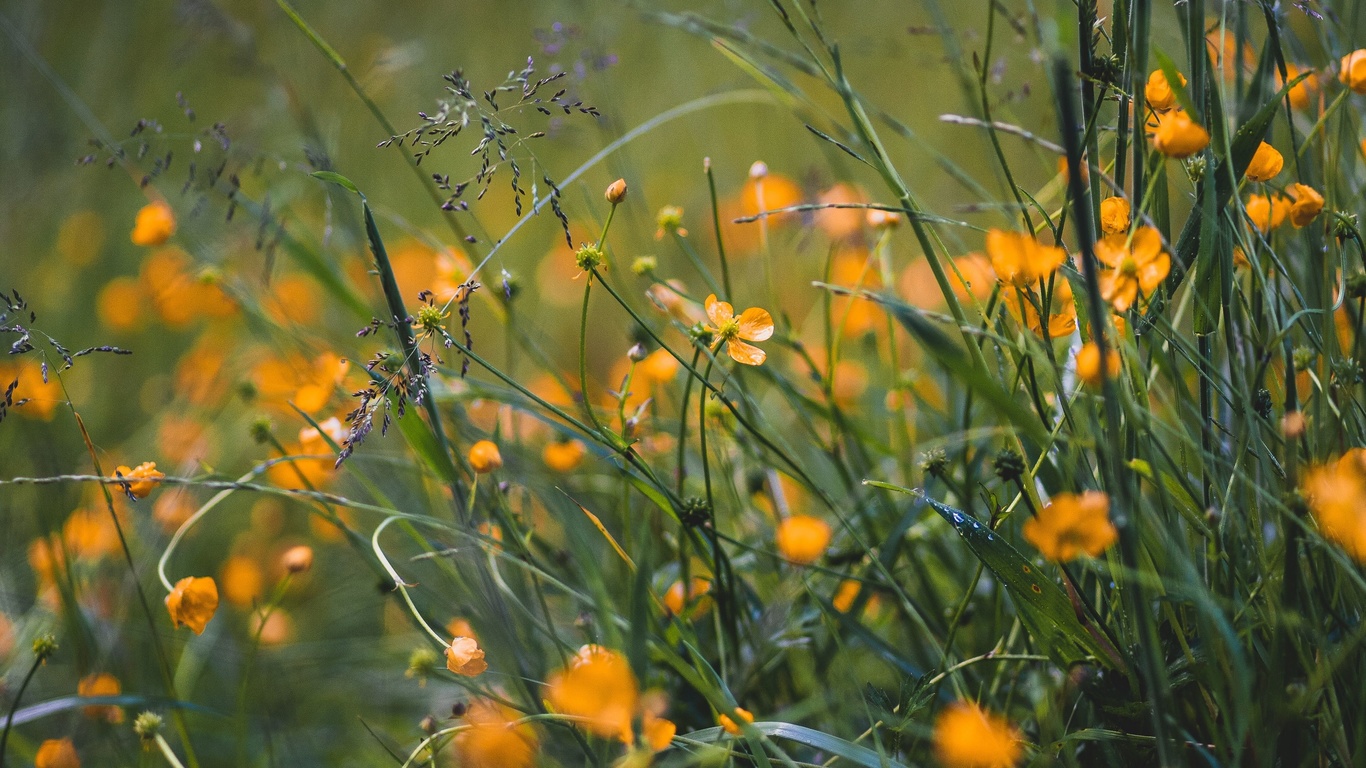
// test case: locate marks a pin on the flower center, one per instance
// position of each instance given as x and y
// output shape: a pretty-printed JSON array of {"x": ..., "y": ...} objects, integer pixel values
[
  {"x": 728, "y": 330},
  {"x": 1129, "y": 266}
]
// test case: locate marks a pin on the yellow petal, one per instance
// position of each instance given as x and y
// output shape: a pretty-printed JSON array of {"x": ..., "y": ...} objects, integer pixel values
[
  {"x": 719, "y": 311},
  {"x": 756, "y": 324},
  {"x": 741, "y": 352}
]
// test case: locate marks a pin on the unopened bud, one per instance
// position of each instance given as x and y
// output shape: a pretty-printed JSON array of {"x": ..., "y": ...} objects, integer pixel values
[{"x": 616, "y": 192}]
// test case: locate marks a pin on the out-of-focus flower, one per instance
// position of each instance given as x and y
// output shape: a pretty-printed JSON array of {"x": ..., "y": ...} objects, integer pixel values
[
  {"x": 1302, "y": 93},
  {"x": 494, "y": 739},
  {"x": 6, "y": 637},
  {"x": 193, "y": 602},
  {"x": 56, "y": 753},
  {"x": 1178, "y": 136},
  {"x": 459, "y": 626},
  {"x": 753, "y": 324},
  {"x": 101, "y": 684},
  {"x": 297, "y": 559},
  {"x": 880, "y": 219},
  {"x": 484, "y": 457},
  {"x": 698, "y": 597},
  {"x": 119, "y": 304},
  {"x": 659, "y": 367},
  {"x": 1138, "y": 265},
  {"x": 1020, "y": 259},
  {"x": 841, "y": 223},
  {"x": 464, "y": 657},
  {"x": 968, "y": 736},
  {"x": 154, "y": 225},
  {"x": 40, "y": 398},
  {"x": 1158, "y": 91},
  {"x": 670, "y": 221},
  {"x": 1265, "y": 164},
  {"x": 273, "y": 627},
  {"x": 848, "y": 592},
  {"x": 1353, "y": 71},
  {"x": 732, "y": 727},
  {"x": 242, "y": 579},
  {"x": 1307, "y": 206},
  {"x": 1267, "y": 212},
  {"x": 141, "y": 480},
  {"x": 1337, "y": 498},
  {"x": 1088, "y": 363},
  {"x": 803, "y": 538},
  {"x": 598, "y": 687},
  {"x": 563, "y": 455},
  {"x": 1062, "y": 309},
  {"x": 1072, "y": 524},
  {"x": 1114, "y": 215}
]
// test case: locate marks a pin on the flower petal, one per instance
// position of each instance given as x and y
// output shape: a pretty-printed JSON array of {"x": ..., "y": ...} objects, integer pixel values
[
  {"x": 756, "y": 324},
  {"x": 1152, "y": 273},
  {"x": 1147, "y": 244},
  {"x": 1110, "y": 250},
  {"x": 748, "y": 354},
  {"x": 719, "y": 311}
]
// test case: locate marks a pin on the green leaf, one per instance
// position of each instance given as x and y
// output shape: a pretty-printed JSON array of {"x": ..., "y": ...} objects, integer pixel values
[
  {"x": 338, "y": 179},
  {"x": 817, "y": 740}
]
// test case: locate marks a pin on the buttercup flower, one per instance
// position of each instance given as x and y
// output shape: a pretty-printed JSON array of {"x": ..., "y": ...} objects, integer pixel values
[
  {"x": 465, "y": 657},
  {"x": 732, "y": 727},
  {"x": 1138, "y": 265},
  {"x": 140, "y": 479},
  {"x": 56, "y": 753},
  {"x": 297, "y": 559},
  {"x": 967, "y": 736},
  {"x": 101, "y": 684},
  {"x": 1337, "y": 498},
  {"x": 616, "y": 192},
  {"x": 1088, "y": 363},
  {"x": 753, "y": 324},
  {"x": 154, "y": 225},
  {"x": 1062, "y": 310},
  {"x": 563, "y": 456},
  {"x": 1307, "y": 206},
  {"x": 1302, "y": 92},
  {"x": 1020, "y": 259},
  {"x": 1265, "y": 164},
  {"x": 484, "y": 457},
  {"x": 1114, "y": 215},
  {"x": 1178, "y": 136},
  {"x": 494, "y": 740},
  {"x": 697, "y": 596},
  {"x": 1353, "y": 71},
  {"x": 193, "y": 602},
  {"x": 1072, "y": 524},
  {"x": 802, "y": 538},
  {"x": 1159, "y": 92},
  {"x": 599, "y": 687},
  {"x": 1266, "y": 212}
]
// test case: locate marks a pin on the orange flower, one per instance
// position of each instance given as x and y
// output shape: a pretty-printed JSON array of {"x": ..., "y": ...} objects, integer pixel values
[
  {"x": 698, "y": 597},
  {"x": 841, "y": 223},
  {"x": 802, "y": 538},
  {"x": 297, "y": 559},
  {"x": 1265, "y": 164},
  {"x": 599, "y": 688},
  {"x": 967, "y": 736},
  {"x": 659, "y": 366},
  {"x": 494, "y": 739},
  {"x": 753, "y": 324},
  {"x": 101, "y": 684},
  {"x": 563, "y": 456},
  {"x": 1178, "y": 136},
  {"x": 1158, "y": 91},
  {"x": 1266, "y": 212},
  {"x": 6, "y": 637},
  {"x": 616, "y": 192},
  {"x": 732, "y": 727},
  {"x": 243, "y": 581},
  {"x": 40, "y": 397},
  {"x": 1114, "y": 215},
  {"x": 1070, "y": 525},
  {"x": 464, "y": 657},
  {"x": 484, "y": 457},
  {"x": 56, "y": 753},
  {"x": 193, "y": 602},
  {"x": 1337, "y": 498},
  {"x": 154, "y": 225},
  {"x": 1020, "y": 259},
  {"x": 1307, "y": 206},
  {"x": 1088, "y": 363},
  {"x": 140, "y": 480},
  {"x": 119, "y": 304},
  {"x": 1062, "y": 310},
  {"x": 880, "y": 219},
  {"x": 1353, "y": 71},
  {"x": 1138, "y": 265},
  {"x": 1301, "y": 93}
]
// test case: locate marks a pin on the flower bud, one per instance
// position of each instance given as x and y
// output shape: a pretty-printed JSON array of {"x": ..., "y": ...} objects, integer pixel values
[
  {"x": 616, "y": 192},
  {"x": 485, "y": 457},
  {"x": 297, "y": 559}
]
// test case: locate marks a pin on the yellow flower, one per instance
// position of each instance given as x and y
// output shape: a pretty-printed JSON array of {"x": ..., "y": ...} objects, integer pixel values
[
  {"x": 1072, "y": 524},
  {"x": 1138, "y": 265},
  {"x": 1178, "y": 136},
  {"x": 732, "y": 727},
  {"x": 599, "y": 688},
  {"x": 753, "y": 324},
  {"x": 1114, "y": 215},
  {"x": 1266, "y": 212},
  {"x": 698, "y": 597},
  {"x": 1337, "y": 498},
  {"x": 484, "y": 457},
  {"x": 243, "y": 581},
  {"x": 1020, "y": 259},
  {"x": 1307, "y": 206},
  {"x": 140, "y": 480},
  {"x": 1159, "y": 92},
  {"x": 802, "y": 538},
  {"x": 659, "y": 366},
  {"x": 154, "y": 225},
  {"x": 465, "y": 657},
  {"x": 670, "y": 221},
  {"x": 563, "y": 456},
  {"x": 967, "y": 736},
  {"x": 101, "y": 684},
  {"x": 193, "y": 602},
  {"x": 1302, "y": 92},
  {"x": 1088, "y": 363},
  {"x": 1265, "y": 164},
  {"x": 493, "y": 738},
  {"x": 1353, "y": 71},
  {"x": 1062, "y": 310},
  {"x": 56, "y": 753}
]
